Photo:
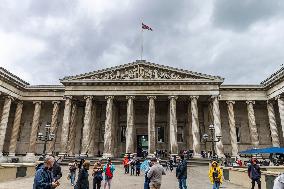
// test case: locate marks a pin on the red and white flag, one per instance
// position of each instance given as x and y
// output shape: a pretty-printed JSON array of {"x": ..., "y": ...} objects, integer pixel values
[{"x": 145, "y": 27}]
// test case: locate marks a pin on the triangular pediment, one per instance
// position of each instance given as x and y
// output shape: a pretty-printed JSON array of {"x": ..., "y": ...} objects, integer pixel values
[{"x": 142, "y": 70}]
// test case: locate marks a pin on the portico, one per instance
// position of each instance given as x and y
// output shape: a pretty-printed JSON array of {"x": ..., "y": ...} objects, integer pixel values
[{"x": 105, "y": 112}]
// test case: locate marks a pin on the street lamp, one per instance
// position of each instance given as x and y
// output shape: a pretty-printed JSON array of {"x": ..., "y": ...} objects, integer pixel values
[
  {"x": 212, "y": 138},
  {"x": 47, "y": 137}
]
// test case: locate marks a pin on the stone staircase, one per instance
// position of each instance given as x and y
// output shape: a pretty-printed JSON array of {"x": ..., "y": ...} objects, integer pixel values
[{"x": 118, "y": 161}]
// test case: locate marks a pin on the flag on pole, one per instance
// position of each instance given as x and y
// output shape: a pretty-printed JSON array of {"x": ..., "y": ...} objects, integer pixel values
[{"x": 145, "y": 27}]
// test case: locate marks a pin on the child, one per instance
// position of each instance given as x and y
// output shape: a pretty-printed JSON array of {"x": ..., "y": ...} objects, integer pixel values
[{"x": 138, "y": 165}]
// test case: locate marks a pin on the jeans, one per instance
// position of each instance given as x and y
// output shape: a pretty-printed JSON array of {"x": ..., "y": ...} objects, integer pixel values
[
  {"x": 182, "y": 183},
  {"x": 216, "y": 185},
  {"x": 72, "y": 177},
  {"x": 253, "y": 181},
  {"x": 96, "y": 183}
]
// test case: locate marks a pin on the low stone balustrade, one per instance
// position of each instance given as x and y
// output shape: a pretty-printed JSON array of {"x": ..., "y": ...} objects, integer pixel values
[{"x": 11, "y": 171}]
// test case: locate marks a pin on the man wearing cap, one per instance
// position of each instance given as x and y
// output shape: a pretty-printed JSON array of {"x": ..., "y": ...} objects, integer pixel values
[
  {"x": 155, "y": 174},
  {"x": 254, "y": 173}
]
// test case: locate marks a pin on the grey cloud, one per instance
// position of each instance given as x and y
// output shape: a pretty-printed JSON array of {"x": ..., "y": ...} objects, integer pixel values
[
  {"x": 81, "y": 44},
  {"x": 240, "y": 15}
]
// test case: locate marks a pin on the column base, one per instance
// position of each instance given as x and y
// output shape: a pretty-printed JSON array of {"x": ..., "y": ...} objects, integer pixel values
[
  {"x": 30, "y": 158},
  {"x": 3, "y": 159},
  {"x": 12, "y": 154},
  {"x": 198, "y": 156},
  {"x": 62, "y": 154},
  {"x": 108, "y": 155},
  {"x": 151, "y": 156},
  {"x": 83, "y": 155}
]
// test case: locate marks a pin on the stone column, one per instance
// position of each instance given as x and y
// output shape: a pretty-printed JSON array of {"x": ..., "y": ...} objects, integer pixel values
[
  {"x": 87, "y": 126},
  {"x": 195, "y": 126},
  {"x": 217, "y": 124},
  {"x": 173, "y": 125},
  {"x": 93, "y": 145},
  {"x": 232, "y": 125},
  {"x": 273, "y": 125},
  {"x": 108, "y": 137},
  {"x": 72, "y": 133},
  {"x": 65, "y": 125},
  {"x": 252, "y": 124},
  {"x": 4, "y": 122},
  {"x": 281, "y": 112},
  {"x": 151, "y": 126},
  {"x": 53, "y": 126},
  {"x": 34, "y": 131},
  {"x": 16, "y": 128},
  {"x": 130, "y": 128}
]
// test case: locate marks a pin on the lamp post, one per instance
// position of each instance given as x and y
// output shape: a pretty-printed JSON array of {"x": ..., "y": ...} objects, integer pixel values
[
  {"x": 48, "y": 136},
  {"x": 212, "y": 138}
]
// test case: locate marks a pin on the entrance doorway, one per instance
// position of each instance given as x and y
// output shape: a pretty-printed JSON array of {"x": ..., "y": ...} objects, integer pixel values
[{"x": 142, "y": 145}]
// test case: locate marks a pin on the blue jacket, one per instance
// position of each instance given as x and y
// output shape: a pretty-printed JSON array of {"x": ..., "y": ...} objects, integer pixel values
[
  {"x": 254, "y": 172},
  {"x": 43, "y": 178},
  {"x": 181, "y": 171}
]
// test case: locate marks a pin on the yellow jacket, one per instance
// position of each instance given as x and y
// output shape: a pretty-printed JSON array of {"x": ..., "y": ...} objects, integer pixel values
[{"x": 220, "y": 173}]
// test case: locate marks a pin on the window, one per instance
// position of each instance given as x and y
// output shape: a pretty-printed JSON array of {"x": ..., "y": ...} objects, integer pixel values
[
  {"x": 122, "y": 134},
  {"x": 161, "y": 134},
  {"x": 238, "y": 133},
  {"x": 180, "y": 134}
]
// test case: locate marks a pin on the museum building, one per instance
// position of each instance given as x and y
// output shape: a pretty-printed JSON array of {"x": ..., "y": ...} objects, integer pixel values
[{"x": 139, "y": 106}]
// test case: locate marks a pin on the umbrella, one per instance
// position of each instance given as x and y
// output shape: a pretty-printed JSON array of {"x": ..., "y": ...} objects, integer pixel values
[{"x": 271, "y": 150}]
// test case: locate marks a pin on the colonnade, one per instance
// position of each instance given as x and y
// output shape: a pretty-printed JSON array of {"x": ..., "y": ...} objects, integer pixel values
[{"x": 70, "y": 110}]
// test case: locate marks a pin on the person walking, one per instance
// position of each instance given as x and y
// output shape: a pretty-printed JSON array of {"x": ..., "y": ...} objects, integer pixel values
[
  {"x": 132, "y": 167},
  {"x": 138, "y": 166},
  {"x": 56, "y": 170},
  {"x": 181, "y": 173},
  {"x": 254, "y": 173},
  {"x": 72, "y": 171},
  {"x": 108, "y": 170},
  {"x": 97, "y": 174},
  {"x": 83, "y": 181},
  {"x": 279, "y": 182},
  {"x": 126, "y": 164},
  {"x": 155, "y": 174},
  {"x": 43, "y": 176},
  {"x": 147, "y": 180},
  {"x": 215, "y": 175}
]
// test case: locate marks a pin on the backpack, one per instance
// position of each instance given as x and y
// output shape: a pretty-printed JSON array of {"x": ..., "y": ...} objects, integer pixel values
[{"x": 108, "y": 172}]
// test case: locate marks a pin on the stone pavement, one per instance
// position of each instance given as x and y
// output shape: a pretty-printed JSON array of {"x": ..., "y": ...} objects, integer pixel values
[{"x": 197, "y": 180}]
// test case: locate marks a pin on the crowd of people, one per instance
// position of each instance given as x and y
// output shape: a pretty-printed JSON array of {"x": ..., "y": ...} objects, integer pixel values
[{"x": 49, "y": 172}]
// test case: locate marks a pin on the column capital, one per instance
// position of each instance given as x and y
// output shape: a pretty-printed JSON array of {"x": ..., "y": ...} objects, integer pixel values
[
  {"x": 37, "y": 102},
  {"x": 10, "y": 97},
  {"x": 194, "y": 97},
  {"x": 230, "y": 102},
  {"x": 20, "y": 102},
  {"x": 65, "y": 97},
  {"x": 88, "y": 97},
  {"x": 279, "y": 97},
  {"x": 212, "y": 97},
  {"x": 250, "y": 102},
  {"x": 152, "y": 97},
  {"x": 109, "y": 97},
  {"x": 55, "y": 102},
  {"x": 270, "y": 101},
  {"x": 130, "y": 97},
  {"x": 173, "y": 97}
]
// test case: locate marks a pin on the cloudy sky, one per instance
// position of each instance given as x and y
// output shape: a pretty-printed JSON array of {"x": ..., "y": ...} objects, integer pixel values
[{"x": 42, "y": 41}]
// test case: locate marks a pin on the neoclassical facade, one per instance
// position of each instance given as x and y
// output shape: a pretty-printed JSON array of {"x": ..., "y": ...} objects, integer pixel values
[{"x": 139, "y": 106}]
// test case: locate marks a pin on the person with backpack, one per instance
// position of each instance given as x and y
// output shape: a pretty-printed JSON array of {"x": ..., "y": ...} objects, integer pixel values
[
  {"x": 72, "y": 171},
  {"x": 155, "y": 174},
  {"x": 181, "y": 172},
  {"x": 97, "y": 174},
  {"x": 254, "y": 173},
  {"x": 215, "y": 175},
  {"x": 108, "y": 170}
]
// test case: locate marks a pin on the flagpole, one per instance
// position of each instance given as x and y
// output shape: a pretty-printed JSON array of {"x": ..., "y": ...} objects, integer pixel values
[{"x": 141, "y": 55}]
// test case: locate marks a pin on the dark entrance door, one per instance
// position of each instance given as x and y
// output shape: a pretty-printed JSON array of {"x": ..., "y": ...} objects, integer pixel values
[{"x": 142, "y": 145}]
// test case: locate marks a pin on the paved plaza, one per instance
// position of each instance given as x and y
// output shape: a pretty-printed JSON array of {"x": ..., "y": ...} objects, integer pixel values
[{"x": 198, "y": 179}]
